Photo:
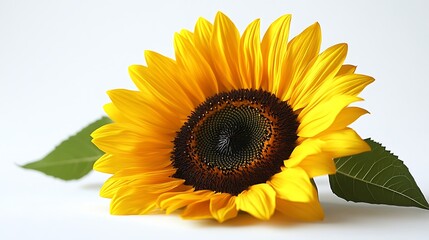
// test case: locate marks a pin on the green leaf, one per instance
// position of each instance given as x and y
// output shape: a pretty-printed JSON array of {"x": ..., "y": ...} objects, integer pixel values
[
  {"x": 74, "y": 157},
  {"x": 377, "y": 177}
]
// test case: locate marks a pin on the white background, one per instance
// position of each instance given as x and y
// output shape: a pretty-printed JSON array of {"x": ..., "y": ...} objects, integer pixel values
[{"x": 58, "y": 58}]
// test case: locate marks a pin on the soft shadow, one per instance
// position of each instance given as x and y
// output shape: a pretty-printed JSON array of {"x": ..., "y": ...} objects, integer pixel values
[
  {"x": 246, "y": 220},
  {"x": 336, "y": 211},
  {"x": 348, "y": 212},
  {"x": 92, "y": 186}
]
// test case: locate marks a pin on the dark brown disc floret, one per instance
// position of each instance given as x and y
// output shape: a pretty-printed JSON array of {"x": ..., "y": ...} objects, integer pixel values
[{"x": 234, "y": 140}]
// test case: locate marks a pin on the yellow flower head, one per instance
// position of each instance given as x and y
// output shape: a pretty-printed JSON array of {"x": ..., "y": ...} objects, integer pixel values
[{"x": 232, "y": 124}]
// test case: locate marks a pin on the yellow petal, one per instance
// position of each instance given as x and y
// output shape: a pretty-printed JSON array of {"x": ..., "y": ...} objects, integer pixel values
[
  {"x": 200, "y": 78},
  {"x": 134, "y": 199},
  {"x": 274, "y": 47},
  {"x": 346, "y": 69},
  {"x": 250, "y": 57},
  {"x": 114, "y": 113},
  {"x": 198, "y": 210},
  {"x": 324, "y": 68},
  {"x": 152, "y": 160},
  {"x": 148, "y": 127},
  {"x": 141, "y": 82},
  {"x": 188, "y": 35},
  {"x": 224, "y": 51},
  {"x": 301, "y": 211},
  {"x": 202, "y": 37},
  {"x": 301, "y": 51},
  {"x": 141, "y": 173},
  {"x": 160, "y": 83},
  {"x": 307, "y": 148},
  {"x": 111, "y": 186},
  {"x": 104, "y": 164},
  {"x": 351, "y": 84},
  {"x": 173, "y": 201},
  {"x": 346, "y": 117},
  {"x": 318, "y": 164},
  {"x": 344, "y": 142},
  {"x": 223, "y": 207},
  {"x": 320, "y": 117},
  {"x": 162, "y": 67},
  {"x": 116, "y": 139},
  {"x": 159, "y": 188},
  {"x": 155, "y": 181},
  {"x": 293, "y": 184},
  {"x": 131, "y": 201},
  {"x": 133, "y": 105},
  {"x": 259, "y": 201}
]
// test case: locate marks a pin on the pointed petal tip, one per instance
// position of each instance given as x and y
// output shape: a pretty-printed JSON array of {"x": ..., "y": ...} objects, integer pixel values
[
  {"x": 316, "y": 26},
  {"x": 176, "y": 36},
  {"x": 315, "y": 29},
  {"x": 257, "y": 21},
  {"x": 285, "y": 17},
  {"x": 136, "y": 67},
  {"x": 366, "y": 147},
  {"x": 109, "y": 92},
  {"x": 96, "y": 133},
  {"x": 98, "y": 166},
  {"x": 284, "y": 20},
  {"x": 147, "y": 52},
  {"x": 340, "y": 47},
  {"x": 344, "y": 46},
  {"x": 220, "y": 14},
  {"x": 112, "y": 93},
  {"x": 201, "y": 21},
  {"x": 365, "y": 112}
]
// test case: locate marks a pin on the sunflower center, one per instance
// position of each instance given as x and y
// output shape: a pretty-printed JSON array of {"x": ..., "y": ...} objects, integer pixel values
[
  {"x": 231, "y": 137},
  {"x": 234, "y": 140}
]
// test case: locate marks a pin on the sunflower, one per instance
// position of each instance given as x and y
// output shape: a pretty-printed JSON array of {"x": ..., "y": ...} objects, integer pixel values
[{"x": 232, "y": 124}]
